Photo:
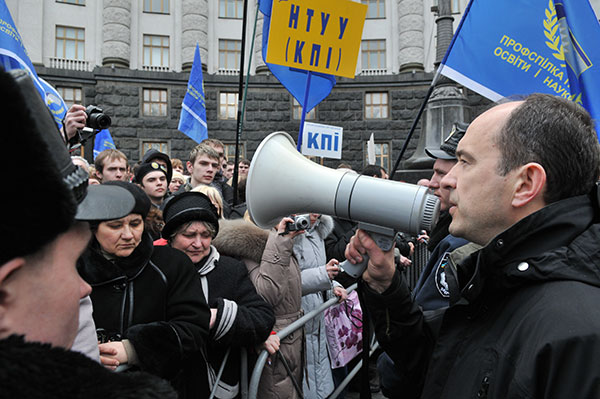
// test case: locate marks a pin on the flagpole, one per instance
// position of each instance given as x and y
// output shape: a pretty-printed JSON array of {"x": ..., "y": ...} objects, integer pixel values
[
  {"x": 429, "y": 92},
  {"x": 239, "y": 111},
  {"x": 304, "y": 107}
]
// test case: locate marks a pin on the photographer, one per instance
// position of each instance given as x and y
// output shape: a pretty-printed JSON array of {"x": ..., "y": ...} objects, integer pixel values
[{"x": 75, "y": 120}]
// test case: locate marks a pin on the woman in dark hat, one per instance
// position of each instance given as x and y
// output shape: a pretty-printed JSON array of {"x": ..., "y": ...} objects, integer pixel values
[
  {"x": 147, "y": 310},
  {"x": 239, "y": 316}
]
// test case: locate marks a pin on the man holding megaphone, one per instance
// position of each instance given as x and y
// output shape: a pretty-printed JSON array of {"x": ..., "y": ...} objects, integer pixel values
[{"x": 523, "y": 319}]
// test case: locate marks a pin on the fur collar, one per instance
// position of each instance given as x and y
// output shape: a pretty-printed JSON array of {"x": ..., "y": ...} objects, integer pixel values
[
  {"x": 241, "y": 239},
  {"x": 324, "y": 227}
]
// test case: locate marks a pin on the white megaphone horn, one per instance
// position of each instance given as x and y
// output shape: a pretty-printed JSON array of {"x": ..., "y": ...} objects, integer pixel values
[{"x": 281, "y": 181}]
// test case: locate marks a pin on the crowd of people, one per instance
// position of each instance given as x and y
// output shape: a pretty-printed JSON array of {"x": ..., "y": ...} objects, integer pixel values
[{"x": 147, "y": 280}]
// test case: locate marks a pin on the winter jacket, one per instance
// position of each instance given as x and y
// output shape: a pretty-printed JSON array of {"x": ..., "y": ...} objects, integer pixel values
[
  {"x": 275, "y": 273},
  {"x": 309, "y": 249},
  {"x": 38, "y": 371},
  {"x": 152, "y": 299},
  {"x": 431, "y": 292},
  {"x": 243, "y": 319},
  {"x": 523, "y": 320}
]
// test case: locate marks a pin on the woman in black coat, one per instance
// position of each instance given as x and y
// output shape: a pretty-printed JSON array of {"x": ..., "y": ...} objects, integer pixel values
[
  {"x": 147, "y": 310},
  {"x": 239, "y": 316}
]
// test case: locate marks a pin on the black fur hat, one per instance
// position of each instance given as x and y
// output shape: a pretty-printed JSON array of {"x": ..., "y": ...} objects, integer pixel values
[
  {"x": 44, "y": 206},
  {"x": 187, "y": 207}
]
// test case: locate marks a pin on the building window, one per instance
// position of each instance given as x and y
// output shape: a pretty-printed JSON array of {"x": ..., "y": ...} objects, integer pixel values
[
  {"x": 157, "y": 6},
  {"x": 70, "y": 43},
  {"x": 382, "y": 155},
  {"x": 375, "y": 8},
  {"x": 297, "y": 111},
  {"x": 162, "y": 146},
  {"x": 229, "y": 54},
  {"x": 78, "y": 2},
  {"x": 373, "y": 54},
  {"x": 230, "y": 151},
  {"x": 155, "y": 102},
  {"x": 70, "y": 95},
  {"x": 228, "y": 104},
  {"x": 231, "y": 8},
  {"x": 156, "y": 51},
  {"x": 376, "y": 105}
]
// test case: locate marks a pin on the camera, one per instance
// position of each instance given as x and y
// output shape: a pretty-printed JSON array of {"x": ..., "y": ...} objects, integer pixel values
[
  {"x": 96, "y": 118},
  {"x": 301, "y": 222}
]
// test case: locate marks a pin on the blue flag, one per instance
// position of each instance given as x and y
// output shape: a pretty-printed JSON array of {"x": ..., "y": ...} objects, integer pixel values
[
  {"x": 103, "y": 141},
  {"x": 12, "y": 51},
  {"x": 294, "y": 80},
  {"x": 54, "y": 102},
  {"x": 192, "y": 121},
  {"x": 510, "y": 47}
]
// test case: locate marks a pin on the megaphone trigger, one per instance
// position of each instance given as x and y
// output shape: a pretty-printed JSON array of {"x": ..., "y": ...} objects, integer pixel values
[{"x": 384, "y": 237}]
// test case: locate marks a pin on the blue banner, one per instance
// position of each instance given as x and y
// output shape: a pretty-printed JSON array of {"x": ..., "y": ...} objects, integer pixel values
[
  {"x": 192, "y": 121},
  {"x": 54, "y": 102},
  {"x": 12, "y": 50},
  {"x": 103, "y": 141},
  {"x": 294, "y": 80},
  {"x": 504, "y": 48}
]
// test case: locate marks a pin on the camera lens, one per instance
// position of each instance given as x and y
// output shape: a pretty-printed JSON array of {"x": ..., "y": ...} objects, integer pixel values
[
  {"x": 99, "y": 121},
  {"x": 303, "y": 223}
]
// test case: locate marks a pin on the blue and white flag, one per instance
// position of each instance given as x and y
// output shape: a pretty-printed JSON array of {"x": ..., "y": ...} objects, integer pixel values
[
  {"x": 54, "y": 102},
  {"x": 12, "y": 50},
  {"x": 504, "y": 48},
  {"x": 294, "y": 80},
  {"x": 192, "y": 121},
  {"x": 103, "y": 141}
]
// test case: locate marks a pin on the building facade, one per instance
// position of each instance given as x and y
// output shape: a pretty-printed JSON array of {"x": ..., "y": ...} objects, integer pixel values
[{"x": 132, "y": 58}]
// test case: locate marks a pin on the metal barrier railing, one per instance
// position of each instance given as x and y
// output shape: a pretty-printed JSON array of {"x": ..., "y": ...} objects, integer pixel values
[
  {"x": 249, "y": 391},
  {"x": 262, "y": 357}
]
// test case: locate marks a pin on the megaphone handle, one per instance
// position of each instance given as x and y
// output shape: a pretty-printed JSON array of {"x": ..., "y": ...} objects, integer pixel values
[
  {"x": 355, "y": 270},
  {"x": 384, "y": 238}
]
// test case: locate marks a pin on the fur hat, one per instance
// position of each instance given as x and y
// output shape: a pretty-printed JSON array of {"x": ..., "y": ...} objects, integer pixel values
[
  {"x": 42, "y": 209},
  {"x": 187, "y": 207},
  {"x": 60, "y": 196}
]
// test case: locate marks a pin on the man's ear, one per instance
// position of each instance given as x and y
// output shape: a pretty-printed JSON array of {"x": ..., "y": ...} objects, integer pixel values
[
  {"x": 190, "y": 167},
  {"x": 6, "y": 293},
  {"x": 530, "y": 184}
]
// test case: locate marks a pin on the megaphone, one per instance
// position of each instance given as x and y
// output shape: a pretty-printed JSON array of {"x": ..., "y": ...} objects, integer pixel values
[{"x": 281, "y": 181}]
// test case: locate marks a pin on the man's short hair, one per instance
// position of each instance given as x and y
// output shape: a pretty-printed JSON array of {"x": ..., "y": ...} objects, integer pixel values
[
  {"x": 557, "y": 134},
  {"x": 203, "y": 149},
  {"x": 245, "y": 161},
  {"x": 373, "y": 170},
  {"x": 108, "y": 155},
  {"x": 231, "y": 163},
  {"x": 213, "y": 143}
]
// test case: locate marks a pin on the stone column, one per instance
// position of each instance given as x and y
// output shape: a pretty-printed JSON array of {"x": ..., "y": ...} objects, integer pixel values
[
  {"x": 194, "y": 30},
  {"x": 261, "y": 67},
  {"x": 116, "y": 46},
  {"x": 410, "y": 35}
]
